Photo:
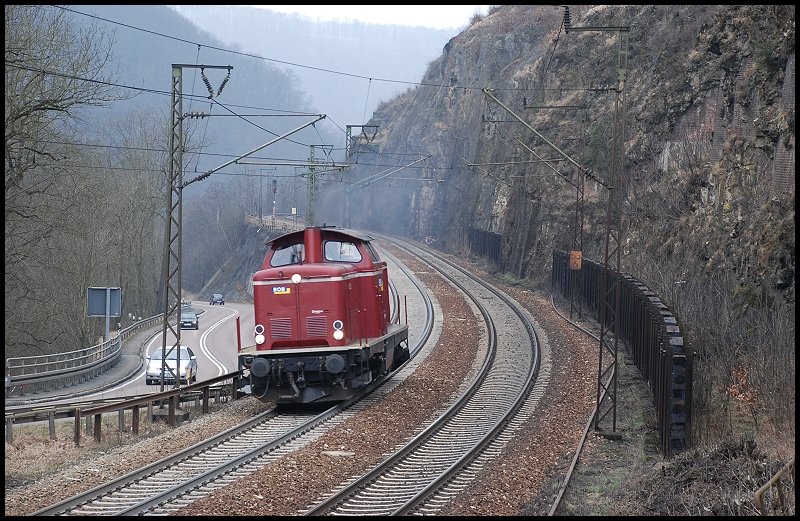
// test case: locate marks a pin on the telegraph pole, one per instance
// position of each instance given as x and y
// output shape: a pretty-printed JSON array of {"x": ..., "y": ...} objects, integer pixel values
[
  {"x": 312, "y": 189},
  {"x": 261, "y": 198},
  {"x": 274, "y": 197},
  {"x": 611, "y": 275},
  {"x": 346, "y": 220},
  {"x": 576, "y": 253},
  {"x": 173, "y": 247},
  {"x": 312, "y": 183},
  {"x": 612, "y": 272}
]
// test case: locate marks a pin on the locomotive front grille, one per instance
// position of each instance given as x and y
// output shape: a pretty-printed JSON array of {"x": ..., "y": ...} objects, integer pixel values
[
  {"x": 280, "y": 328},
  {"x": 316, "y": 326}
]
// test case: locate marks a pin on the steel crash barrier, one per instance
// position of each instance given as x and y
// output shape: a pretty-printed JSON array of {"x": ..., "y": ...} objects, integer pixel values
[
  {"x": 164, "y": 406},
  {"x": 652, "y": 337},
  {"x": 32, "y": 374}
]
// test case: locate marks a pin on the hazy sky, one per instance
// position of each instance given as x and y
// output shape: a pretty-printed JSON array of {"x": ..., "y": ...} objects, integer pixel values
[{"x": 434, "y": 16}]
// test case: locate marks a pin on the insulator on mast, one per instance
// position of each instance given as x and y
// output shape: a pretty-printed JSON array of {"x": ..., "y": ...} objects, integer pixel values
[
  {"x": 222, "y": 85},
  {"x": 208, "y": 83}
]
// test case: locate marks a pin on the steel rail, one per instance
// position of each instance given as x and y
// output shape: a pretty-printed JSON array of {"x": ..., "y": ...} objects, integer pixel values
[
  {"x": 391, "y": 498},
  {"x": 173, "y": 496}
]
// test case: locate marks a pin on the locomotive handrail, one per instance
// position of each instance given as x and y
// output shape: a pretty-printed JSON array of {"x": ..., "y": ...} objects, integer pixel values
[{"x": 30, "y": 373}]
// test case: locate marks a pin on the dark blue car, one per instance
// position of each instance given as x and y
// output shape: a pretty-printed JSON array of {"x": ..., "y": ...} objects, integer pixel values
[{"x": 189, "y": 320}]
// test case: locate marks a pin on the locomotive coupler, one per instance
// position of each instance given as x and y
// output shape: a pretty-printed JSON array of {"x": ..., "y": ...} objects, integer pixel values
[{"x": 296, "y": 395}]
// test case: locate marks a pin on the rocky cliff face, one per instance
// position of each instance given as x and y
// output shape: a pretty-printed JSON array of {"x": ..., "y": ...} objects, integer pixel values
[{"x": 708, "y": 116}]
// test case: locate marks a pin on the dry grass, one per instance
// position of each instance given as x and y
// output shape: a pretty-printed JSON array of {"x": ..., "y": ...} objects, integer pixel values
[
  {"x": 719, "y": 481},
  {"x": 629, "y": 477},
  {"x": 33, "y": 454}
]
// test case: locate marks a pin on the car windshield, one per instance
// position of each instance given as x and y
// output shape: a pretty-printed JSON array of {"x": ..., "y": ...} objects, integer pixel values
[
  {"x": 188, "y": 316},
  {"x": 172, "y": 355}
]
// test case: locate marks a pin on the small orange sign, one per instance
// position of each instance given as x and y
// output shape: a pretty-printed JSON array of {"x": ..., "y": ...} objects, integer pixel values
[{"x": 575, "y": 259}]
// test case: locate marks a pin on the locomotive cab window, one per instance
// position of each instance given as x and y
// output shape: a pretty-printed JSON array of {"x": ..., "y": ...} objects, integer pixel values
[
  {"x": 291, "y": 254},
  {"x": 341, "y": 251}
]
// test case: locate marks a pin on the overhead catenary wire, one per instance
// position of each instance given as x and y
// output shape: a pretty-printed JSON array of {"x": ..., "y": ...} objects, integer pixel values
[
  {"x": 331, "y": 71},
  {"x": 369, "y": 78},
  {"x": 366, "y": 99}
]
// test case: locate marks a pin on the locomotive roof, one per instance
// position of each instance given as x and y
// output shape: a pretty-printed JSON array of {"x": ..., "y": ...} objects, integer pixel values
[{"x": 344, "y": 231}]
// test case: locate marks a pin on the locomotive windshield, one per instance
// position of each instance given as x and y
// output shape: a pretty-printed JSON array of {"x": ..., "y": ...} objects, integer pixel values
[
  {"x": 286, "y": 255},
  {"x": 341, "y": 251}
]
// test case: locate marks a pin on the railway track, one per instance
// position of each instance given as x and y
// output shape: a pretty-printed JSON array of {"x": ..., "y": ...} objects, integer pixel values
[
  {"x": 445, "y": 457},
  {"x": 169, "y": 484},
  {"x": 434, "y": 466},
  {"x": 136, "y": 490}
]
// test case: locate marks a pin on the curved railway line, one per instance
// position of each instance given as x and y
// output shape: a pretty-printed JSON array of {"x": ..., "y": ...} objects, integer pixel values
[
  {"x": 439, "y": 461},
  {"x": 418, "y": 478},
  {"x": 171, "y": 483}
]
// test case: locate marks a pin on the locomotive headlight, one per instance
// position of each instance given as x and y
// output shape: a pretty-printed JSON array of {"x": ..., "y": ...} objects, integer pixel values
[
  {"x": 296, "y": 278},
  {"x": 259, "y": 329},
  {"x": 338, "y": 334}
]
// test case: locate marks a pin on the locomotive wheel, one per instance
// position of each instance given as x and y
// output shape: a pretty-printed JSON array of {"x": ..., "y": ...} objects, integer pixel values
[
  {"x": 401, "y": 358},
  {"x": 377, "y": 366}
]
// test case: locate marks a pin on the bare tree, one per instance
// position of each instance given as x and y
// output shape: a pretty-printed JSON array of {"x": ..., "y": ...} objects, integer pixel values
[
  {"x": 52, "y": 71},
  {"x": 217, "y": 216},
  {"x": 140, "y": 186}
]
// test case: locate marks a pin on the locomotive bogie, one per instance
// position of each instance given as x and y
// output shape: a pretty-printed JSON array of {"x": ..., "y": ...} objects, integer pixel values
[{"x": 321, "y": 374}]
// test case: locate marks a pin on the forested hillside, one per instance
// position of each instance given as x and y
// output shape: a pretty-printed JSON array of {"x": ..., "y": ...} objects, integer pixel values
[{"x": 87, "y": 126}]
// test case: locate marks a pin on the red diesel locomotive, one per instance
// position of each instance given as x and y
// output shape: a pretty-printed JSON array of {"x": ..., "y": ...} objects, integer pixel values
[{"x": 322, "y": 319}]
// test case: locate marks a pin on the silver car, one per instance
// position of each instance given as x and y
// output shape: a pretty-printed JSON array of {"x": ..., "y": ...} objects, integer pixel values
[{"x": 188, "y": 369}]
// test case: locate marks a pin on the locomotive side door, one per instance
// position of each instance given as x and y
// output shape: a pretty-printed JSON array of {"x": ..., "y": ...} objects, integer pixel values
[
  {"x": 279, "y": 304},
  {"x": 381, "y": 295}
]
